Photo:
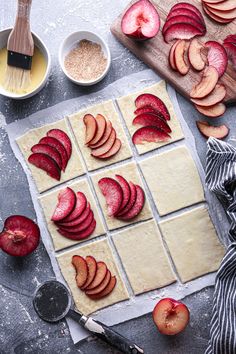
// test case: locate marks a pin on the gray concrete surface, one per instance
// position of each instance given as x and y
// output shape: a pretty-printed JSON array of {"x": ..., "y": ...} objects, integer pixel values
[{"x": 21, "y": 331}]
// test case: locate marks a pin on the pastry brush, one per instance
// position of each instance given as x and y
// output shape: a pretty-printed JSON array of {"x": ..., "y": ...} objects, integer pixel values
[{"x": 20, "y": 47}]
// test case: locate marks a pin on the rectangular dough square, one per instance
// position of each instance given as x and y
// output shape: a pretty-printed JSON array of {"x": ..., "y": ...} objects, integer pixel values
[
  {"x": 130, "y": 172},
  {"x": 193, "y": 243},
  {"x": 75, "y": 165},
  {"x": 107, "y": 109},
  {"x": 144, "y": 257},
  {"x": 101, "y": 251},
  {"x": 173, "y": 180},
  {"x": 127, "y": 107},
  {"x": 49, "y": 202}
]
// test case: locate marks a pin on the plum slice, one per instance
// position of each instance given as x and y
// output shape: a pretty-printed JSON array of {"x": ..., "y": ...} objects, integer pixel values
[
  {"x": 101, "y": 127},
  {"x": 79, "y": 235},
  {"x": 46, "y": 163},
  {"x": 20, "y": 236},
  {"x": 214, "y": 111},
  {"x": 212, "y": 1},
  {"x": 61, "y": 136},
  {"x": 106, "y": 291},
  {"x": 147, "y": 119},
  {"x": 100, "y": 287},
  {"x": 105, "y": 137},
  {"x": 217, "y": 56},
  {"x": 182, "y": 19},
  {"x": 207, "y": 84},
  {"x": 225, "y": 15},
  {"x": 231, "y": 50},
  {"x": 183, "y": 6},
  {"x": 181, "y": 61},
  {"x": 214, "y": 17},
  {"x": 185, "y": 12},
  {"x": 148, "y": 109},
  {"x": 137, "y": 207},
  {"x": 126, "y": 191},
  {"x": 150, "y": 100},
  {"x": 82, "y": 226},
  {"x": 231, "y": 38},
  {"x": 141, "y": 21},
  {"x": 48, "y": 140},
  {"x": 113, "y": 194},
  {"x": 50, "y": 151},
  {"x": 150, "y": 134},
  {"x": 92, "y": 269},
  {"x": 227, "y": 5},
  {"x": 195, "y": 55},
  {"x": 99, "y": 277},
  {"x": 132, "y": 199},
  {"x": 216, "y": 96},
  {"x": 113, "y": 150},
  {"x": 182, "y": 31},
  {"x": 91, "y": 127},
  {"x": 78, "y": 220},
  {"x": 80, "y": 205},
  {"x": 65, "y": 205},
  {"x": 208, "y": 130},
  {"x": 106, "y": 146},
  {"x": 172, "y": 54},
  {"x": 81, "y": 269}
]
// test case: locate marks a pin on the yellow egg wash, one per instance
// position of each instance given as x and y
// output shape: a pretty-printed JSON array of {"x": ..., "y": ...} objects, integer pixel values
[{"x": 38, "y": 69}]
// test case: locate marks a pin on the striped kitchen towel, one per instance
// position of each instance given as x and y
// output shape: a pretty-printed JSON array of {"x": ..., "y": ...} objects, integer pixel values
[{"x": 221, "y": 180}]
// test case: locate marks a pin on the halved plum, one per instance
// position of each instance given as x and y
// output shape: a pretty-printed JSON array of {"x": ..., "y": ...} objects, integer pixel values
[
  {"x": 20, "y": 236},
  {"x": 61, "y": 136},
  {"x": 195, "y": 55},
  {"x": 106, "y": 146},
  {"x": 105, "y": 137},
  {"x": 80, "y": 235},
  {"x": 212, "y": 111},
  {"x": 113, "y": 194},
  {"x": 150, "y": 100},
  {"x": 48, "y": 140},
  {"x": 80, "y": 205},
  {"x": 137, "y": 207},
  {"x": 182, "y": 31},
  {"x": 216, "y": 96},
  {"x": 146, "y": 119},
  {"x": 180, "y": 57},
  {"x": 47, "y": 164},
  {"x": 150, "y": 134},
  {"x": 113, "y": 150},
  {"x": 81, "y": 270},
  {"x": 217, "y": 56},
  {"x": 50, "y": 151},
  {"x": 100, "y": 287},
  {"x": 65, "y": 205},
  {"x": 207, "y": 84},
  {"x": 91, "y": 127},
  {"x": 126, "y": 191},
  {"x": 141, "y": 21},
  {"x": 76, "y": 221},
  {"x": 101, "y": 127},
  {"x": 207, "y": 130},
  {"x": 82, "y": 226},
  {"x": 132, "y": 199},
  {"x": 106, "y": 291},
  {"x": 92, "y": 269},
  {"x": 99, "y": 277}
]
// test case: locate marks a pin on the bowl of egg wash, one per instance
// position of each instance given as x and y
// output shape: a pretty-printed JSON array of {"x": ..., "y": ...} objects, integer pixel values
[
  {"x": 41, "y": 63},
  {"x": 84, "y": 58}
]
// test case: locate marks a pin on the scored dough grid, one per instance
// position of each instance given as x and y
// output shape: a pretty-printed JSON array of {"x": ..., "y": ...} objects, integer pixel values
[{"x": 136, "y": 158}]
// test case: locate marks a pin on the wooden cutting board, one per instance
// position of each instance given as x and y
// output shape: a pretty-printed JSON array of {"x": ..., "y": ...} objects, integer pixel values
[{"x": 154, "y": 52}]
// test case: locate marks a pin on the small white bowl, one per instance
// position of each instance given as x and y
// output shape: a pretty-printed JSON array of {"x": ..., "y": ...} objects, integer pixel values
[
  {"x": 42, "y": 47},
  {"x": 71, "y": 41}
]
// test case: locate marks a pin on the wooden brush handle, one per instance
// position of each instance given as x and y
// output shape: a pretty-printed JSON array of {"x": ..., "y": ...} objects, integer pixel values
[{"x": 20, "y": 39}]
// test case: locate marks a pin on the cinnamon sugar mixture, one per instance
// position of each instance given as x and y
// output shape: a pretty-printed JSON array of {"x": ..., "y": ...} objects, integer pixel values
[{"x": 86, "y": 62}]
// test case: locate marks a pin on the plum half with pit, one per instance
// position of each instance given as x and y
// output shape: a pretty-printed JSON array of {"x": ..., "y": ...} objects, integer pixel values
[{"x": 20, "y": 236}]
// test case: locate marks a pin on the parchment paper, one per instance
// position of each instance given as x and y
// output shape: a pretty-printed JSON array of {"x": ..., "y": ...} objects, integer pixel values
[{"x": 144, "y": 303}]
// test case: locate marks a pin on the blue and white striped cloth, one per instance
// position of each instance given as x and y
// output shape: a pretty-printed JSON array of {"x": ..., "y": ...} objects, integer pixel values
[{"x": 221, "y": 180}]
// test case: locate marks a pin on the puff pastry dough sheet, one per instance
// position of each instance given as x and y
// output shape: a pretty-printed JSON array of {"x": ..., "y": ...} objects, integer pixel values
[
  {"x": 102, "y": 252},
  {"x": 107, "y": 109},
  {"x": 75, "y": 166},
  {"x": 193, "y": 243},
  {"x": 49, "y": 202},
  {"x": 173, "y": 180},
  {"x": 127, "y": 107},
  {"x": 144, "y": 257},
  {"x": 130, "y": 172}
]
